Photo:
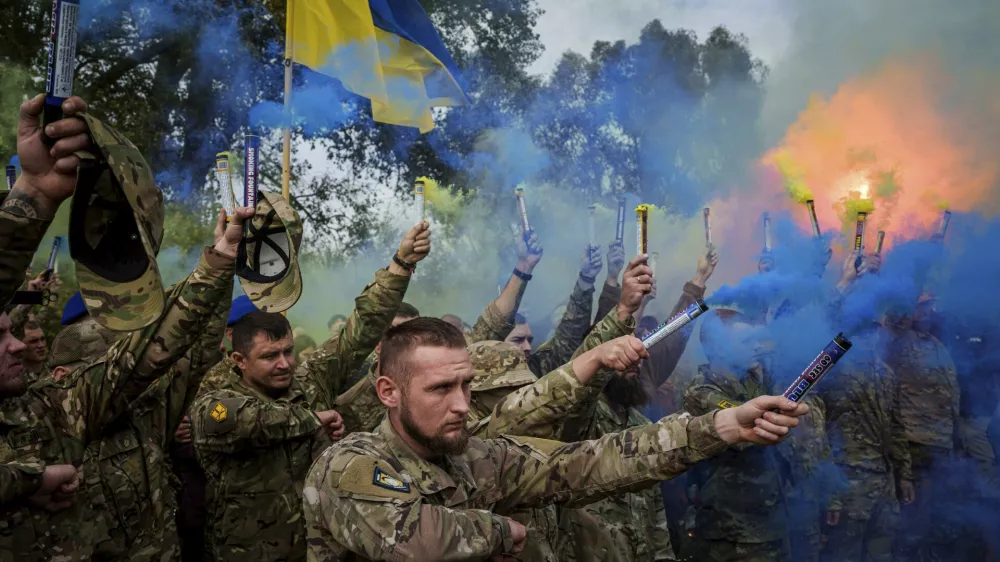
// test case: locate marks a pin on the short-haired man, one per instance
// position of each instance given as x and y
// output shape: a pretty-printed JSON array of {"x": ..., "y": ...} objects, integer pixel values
[
  {"x": 420, "y": 487},
  {"x": 259, "y": 430},
  {"x": 34, "y": 351}
]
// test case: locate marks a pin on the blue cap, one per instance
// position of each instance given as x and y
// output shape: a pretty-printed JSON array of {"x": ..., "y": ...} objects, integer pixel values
[
  {"x": 240, "y": 308},
  {"x": 14, "y": 161},
  {"x": 75, "y": 310}
]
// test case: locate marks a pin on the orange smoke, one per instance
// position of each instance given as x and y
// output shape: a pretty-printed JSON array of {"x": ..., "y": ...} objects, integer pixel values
[{"x": 896, "y": 134}]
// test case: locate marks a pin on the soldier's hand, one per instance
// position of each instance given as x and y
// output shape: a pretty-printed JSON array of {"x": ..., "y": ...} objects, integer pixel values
[
  {"x": 848, "y": 273},
  {"x": 183, "y": 433},
  {"x": 232, "y": 233},
  {"x": 833, "y": 518},
  {"x": 591, "y": 264},
  {"x": 529, "y": 252},
  {"x": 621, "y": 354},
  {"x": 872, "y": 263},
  {"x": 416, "y": 243},
  {"x": 59, "y": 485},
  {"x": 38, "y": 283},
  {"x": 333, "y": 423},
  {"x": 616, "y": 259},
  {"x": 706, "y": 267},
  {"x": 49, "y": 173},
  {"x": 637, "y": 283},
  {"x": 518, "y": 535},
  {"x": 756, "y": 422},
  {"x": 907, "y": 492}
]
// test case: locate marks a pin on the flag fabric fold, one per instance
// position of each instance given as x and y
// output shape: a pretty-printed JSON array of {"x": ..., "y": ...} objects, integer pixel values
[{"x": 385, "y": 50}]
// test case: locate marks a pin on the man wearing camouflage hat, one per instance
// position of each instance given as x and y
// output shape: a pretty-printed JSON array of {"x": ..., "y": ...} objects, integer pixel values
[
  {"x": 258, "y": 431},
  {"x": 56, "y": 420}
]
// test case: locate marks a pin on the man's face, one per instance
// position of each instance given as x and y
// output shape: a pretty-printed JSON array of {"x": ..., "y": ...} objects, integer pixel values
[
  {"x": 337, "y": 326},
  {"x": 34, "y": 342},
  {"x": 735, "y": 345},
  {"x": 400, "y": 319},
  {"x": 522, "y": 338},
  {"x": 11, "y": 349},
  {"x": 270, "y": 364},
  {"x": 434, "y": 406}
]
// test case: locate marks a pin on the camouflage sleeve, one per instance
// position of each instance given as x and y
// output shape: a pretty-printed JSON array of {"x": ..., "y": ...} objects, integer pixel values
[
  {"x": 540, "y": 409},
  {"x": 609, "y": 328},
  {"x": 610, "y": 295},
  {"x": 331, "y": 365},
  {"x": 536, "y": 472},
  {"x": 227, "y": 422},
  {"x": 703, "y": 396},
  {"x": 491, "y": 325},
  {"x": 899, "y": 451},
  {"x": 570, "y": 333},
  {"x": 19, "y": 480},
  {"x": 105, "y": 389},
  {"x": 19, "y": 239},
  {"x": 391, "y": 522},
  {"x": 663, "y": 357}
]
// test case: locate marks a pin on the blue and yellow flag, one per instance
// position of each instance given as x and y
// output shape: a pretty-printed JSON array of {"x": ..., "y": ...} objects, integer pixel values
[{"x": 385, "y": 50}]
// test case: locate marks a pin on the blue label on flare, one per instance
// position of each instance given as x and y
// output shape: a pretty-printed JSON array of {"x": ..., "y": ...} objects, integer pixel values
[
  {"x": 250, "y": 170},
  {"x": 62, "y": 51},
  {"x": 11, "y": 176},
  {"x": 820, "y": 366}
]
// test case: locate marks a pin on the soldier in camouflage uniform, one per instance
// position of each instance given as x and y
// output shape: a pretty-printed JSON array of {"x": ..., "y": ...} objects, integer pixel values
[
  {"x": 420, "y": 488},
  {"x": 929, "y": 399},
  {"x": 631, "y": 526},
  {"x": 256, "y": 435},
  {"x": 740, "y": 510},
  {"x": 57, "y": 419}
]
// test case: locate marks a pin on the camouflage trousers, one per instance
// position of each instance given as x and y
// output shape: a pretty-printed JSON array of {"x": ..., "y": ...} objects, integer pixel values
[
  {"x": 805, "y": 532},
  {"x": 868, "y": 521},
  {"x": 930, "y": 527},
  {"x": 726, "y": 551}
]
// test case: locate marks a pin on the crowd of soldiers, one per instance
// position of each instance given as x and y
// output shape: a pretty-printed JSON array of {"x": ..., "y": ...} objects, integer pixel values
[{"x": 179, "y": 423}]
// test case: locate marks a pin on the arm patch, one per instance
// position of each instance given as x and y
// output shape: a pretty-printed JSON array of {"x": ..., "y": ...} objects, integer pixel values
[
  {"x": 725, "y": 404},
  {"x": 222, "y": 415},
  {"x": 371, "y": 478}
]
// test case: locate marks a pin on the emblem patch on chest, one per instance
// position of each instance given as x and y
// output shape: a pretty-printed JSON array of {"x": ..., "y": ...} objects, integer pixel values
[
  {"x": 389, "y": 482},
  {"x": 220, "y": 413}
]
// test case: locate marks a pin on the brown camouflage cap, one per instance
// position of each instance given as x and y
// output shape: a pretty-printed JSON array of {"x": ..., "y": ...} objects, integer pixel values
[
  {"x": 498, "y": 364},
  {"x": 267, "y": 263},
  {"x": 81, "y": 341},
  {"x": 116, "y": 226}
]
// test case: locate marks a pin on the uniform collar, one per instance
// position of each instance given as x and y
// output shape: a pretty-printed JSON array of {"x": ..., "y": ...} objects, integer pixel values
[{"x": 452, "y": 477}]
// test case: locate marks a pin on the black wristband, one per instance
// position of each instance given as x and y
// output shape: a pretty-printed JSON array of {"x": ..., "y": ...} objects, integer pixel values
[
  {"x": 411, "y": 267},
  {"x": 523, "y": 276},
  {"x": 590, "y": 280}
]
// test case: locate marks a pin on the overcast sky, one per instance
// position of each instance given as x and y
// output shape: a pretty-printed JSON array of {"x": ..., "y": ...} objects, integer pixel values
[{"x": 576, "y": 24}]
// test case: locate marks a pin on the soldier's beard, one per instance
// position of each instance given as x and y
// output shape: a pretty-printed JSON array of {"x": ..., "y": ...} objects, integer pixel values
[
  {"x": 439, "y": 445},
  {"x": 626, "y": 391}
]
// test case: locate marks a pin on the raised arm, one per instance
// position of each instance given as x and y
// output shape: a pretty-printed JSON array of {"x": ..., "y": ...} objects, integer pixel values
[
  {"x": 611, "y": 293},
  {"x": 224, "y": 422},
  {"x": 497, "y": 320}
]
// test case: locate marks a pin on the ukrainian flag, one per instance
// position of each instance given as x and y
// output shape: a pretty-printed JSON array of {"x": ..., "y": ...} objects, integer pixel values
[{"x": 385, "y": 50}]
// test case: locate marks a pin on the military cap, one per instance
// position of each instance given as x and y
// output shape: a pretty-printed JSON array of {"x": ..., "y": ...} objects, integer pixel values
[
  {"x": 498, "y": 364},
  {"x": 241, "y": 307},
  {"x": 115, "y": 230},
  {"x": 267, "y": 261},
  {"x": 81, "y": 341},
  {"x": 74, "y": 310}
]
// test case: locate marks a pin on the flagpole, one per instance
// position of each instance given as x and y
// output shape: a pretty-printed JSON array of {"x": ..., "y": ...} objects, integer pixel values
[{"x": 286, "y": 147}]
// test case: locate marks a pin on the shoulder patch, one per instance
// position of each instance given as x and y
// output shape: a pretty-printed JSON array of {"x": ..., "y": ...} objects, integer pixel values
[
  {"x": 222, "y": 415},
  {"x": 388, "y": 481},
  {"x": 725, "y": 404},
  {"x": 371, "y": 478}
]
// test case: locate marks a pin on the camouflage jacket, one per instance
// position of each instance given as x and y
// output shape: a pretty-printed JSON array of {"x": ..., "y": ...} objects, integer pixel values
[
  {"x": 929, "y": 394},
  {"x": 256, "y": 450},
  {"x": 862, "y": 413},
  {"x": 807, "y": 459},
  {"x": 56, "y": 420},
  {"x": 569, "y": 334},
  {"x": 133, "y": 462},
  {"x": 372, "y": 498},
  {"x": 18, "y": 481},
  {"x": 360, "y": 406},
  {"x": 19, "y": 238},
  {"x": 741, "y": 498}
]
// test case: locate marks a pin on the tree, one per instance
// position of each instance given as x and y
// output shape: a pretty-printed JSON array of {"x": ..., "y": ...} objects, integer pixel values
[{"x": 668, "y": 118}]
